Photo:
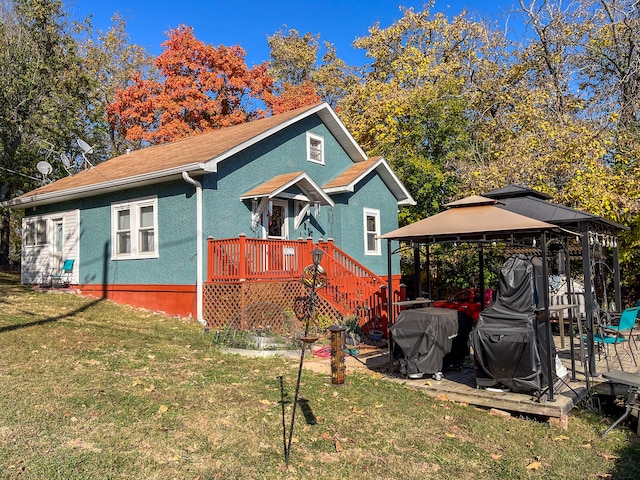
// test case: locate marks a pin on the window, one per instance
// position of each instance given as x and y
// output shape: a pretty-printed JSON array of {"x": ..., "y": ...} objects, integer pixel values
[
  {"x": 371, "y": 231},
  {"x": 315, "y": 148},
  {"x": 35, "y": 232},
  {"x": 134, "y": 229}
]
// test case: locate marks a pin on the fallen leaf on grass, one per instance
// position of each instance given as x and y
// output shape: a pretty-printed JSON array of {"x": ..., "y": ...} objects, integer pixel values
[
  {"x": 326, "y": 436},
  {"x": 534, "y": 466},
  {"x": 151, "y": 357},
  {"x": 606, "y": 456},
  {"x": 265, "y": 402},
  {"x": 587, "y": 445},
  {"x": 339, "y": 446},
  {"x": 356, "y": 411},
  {"x": 561, "y": 437},
  {"x": 150, "y": 388},
  {"x": 162, "y": 409},
  {"x": 605, "y": 475},
  {"x": 450, "y": 435},
  {"x": 496, "y": 456}
]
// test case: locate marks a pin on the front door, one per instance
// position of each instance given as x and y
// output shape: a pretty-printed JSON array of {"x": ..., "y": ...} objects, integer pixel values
[
  {"x": 58, "y": 242},
  {"x": 276, "y": 220}
]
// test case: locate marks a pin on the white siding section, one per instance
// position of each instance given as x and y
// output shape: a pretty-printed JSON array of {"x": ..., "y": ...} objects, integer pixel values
[{"x": 38, "y": 260}]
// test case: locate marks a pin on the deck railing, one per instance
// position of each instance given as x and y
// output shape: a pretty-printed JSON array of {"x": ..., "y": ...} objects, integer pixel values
[{"x": 351, "y": 288}]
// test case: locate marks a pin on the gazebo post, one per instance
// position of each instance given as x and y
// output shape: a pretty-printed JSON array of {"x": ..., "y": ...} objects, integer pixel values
[
  {"x": 428, "y": 270},
  {"x": 390, "y": 312},
  {"x": 481, "y": 276},
  {"x": 416, "y": 271},
  {"x": 572, "y": 316},
  {"x": 616, "y": 275},
  {"x": 588, "y": 297},
  {"x": 545, "y": 296}
]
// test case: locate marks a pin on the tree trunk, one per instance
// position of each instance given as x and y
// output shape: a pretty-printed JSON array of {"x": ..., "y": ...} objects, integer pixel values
[{"x": 4, "y": 238}]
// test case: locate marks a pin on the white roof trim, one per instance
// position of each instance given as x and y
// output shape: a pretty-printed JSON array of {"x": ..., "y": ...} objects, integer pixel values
[
  {"x": 103, "y": 187},
  {"x": 300, "y": 178}
]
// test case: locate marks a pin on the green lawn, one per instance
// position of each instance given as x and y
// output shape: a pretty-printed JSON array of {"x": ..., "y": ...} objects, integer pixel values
[{"x": 93, "y": 390}]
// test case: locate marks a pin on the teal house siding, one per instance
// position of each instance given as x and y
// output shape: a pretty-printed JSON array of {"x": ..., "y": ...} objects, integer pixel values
[
  {"x": 246, "y": 172},
  {"x": 372, "y": 194},
  {"x": 176, "y": 239}
]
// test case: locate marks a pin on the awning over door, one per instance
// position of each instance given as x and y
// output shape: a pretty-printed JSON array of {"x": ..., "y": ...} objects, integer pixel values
[{"x": 280, "y": 183}]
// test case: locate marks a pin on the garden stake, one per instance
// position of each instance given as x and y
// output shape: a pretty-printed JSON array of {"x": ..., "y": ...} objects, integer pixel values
[{"x": 317, "y": 256}]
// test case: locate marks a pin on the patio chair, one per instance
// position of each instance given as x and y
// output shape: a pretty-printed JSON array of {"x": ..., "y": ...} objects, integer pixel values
[
  {"x": 627, "y": 324},
  {"x": 61, "y": 277},
  {"x": 607, "y": 334}
]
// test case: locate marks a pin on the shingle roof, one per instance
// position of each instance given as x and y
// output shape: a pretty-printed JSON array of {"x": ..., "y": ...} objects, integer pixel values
[{"x": 195, "y": 154}]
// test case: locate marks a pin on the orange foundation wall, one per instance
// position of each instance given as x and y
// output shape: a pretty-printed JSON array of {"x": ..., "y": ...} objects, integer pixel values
[{"x": 170, "y": 299}]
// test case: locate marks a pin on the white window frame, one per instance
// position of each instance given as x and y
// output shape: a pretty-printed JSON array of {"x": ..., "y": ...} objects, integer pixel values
[
  {"x": 135, "y": 229},
  {"x": 371, "y": 212},
  {"x": 310, "y": 138},
  {"x": 36, "y": 228}
]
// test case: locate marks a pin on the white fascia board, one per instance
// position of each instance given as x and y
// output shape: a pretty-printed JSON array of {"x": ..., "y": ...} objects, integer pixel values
[{"x": 104, "y": 187}]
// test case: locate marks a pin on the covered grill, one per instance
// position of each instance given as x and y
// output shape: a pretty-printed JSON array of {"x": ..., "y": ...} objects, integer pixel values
[{"x": 510, "y": 340}]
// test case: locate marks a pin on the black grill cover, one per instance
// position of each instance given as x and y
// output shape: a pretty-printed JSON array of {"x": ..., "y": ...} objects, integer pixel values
[
  {"x": 422, "y": 337},
  {"x": 509, "y": 342}
]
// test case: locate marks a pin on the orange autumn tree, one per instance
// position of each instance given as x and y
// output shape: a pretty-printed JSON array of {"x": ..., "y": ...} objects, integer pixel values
[
  {"x": 202, "y": 88},
  {"x": 292, "y": 97}
]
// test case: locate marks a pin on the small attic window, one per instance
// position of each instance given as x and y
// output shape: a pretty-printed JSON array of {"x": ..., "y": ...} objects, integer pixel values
[{"x": 315, "y": 148}]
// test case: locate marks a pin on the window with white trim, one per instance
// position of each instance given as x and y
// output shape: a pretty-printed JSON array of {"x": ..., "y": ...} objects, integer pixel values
[
  {"x": 371, "y": 231},
  {"x": 134, "y": 229},
  {"x": 315, "y": 148},
  {"x": 35, "y": 232}
]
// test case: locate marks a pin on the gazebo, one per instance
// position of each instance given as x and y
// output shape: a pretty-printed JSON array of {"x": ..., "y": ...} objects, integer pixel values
[
  {"x": 515, "y": 214},
  {"x": 594, "y": 233}
]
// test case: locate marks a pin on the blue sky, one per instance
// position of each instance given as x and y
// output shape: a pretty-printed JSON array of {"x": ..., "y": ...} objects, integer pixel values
[{"x": 249, "y": 22}]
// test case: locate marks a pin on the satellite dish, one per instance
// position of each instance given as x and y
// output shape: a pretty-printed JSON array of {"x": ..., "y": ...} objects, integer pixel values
[
  {"x": 44, "y": 168},
  {"x": 65, "y": 160},
  {"x": 86, "y": 148}
]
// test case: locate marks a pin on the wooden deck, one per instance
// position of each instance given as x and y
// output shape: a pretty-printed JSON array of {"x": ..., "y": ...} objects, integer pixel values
[{"x": 460, "y": 385}]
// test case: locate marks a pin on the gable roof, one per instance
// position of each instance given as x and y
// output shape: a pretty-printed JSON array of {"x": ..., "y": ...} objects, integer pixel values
[
  {"x": 196, "y": 155},
  {"x": 347, "y": 180},
  {"x": 280, "y": 183}
]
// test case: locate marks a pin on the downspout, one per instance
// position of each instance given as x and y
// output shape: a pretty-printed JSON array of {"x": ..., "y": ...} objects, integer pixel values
[{"x": 199, "y": 248}]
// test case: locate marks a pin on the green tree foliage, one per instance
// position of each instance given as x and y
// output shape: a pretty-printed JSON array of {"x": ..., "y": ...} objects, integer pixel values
[
  {"x": 294, "y": 64},
  {"x": 42, "y": 90},
  {"x": 411, "y": 104},
  {"x": 111, "y": 62}
]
